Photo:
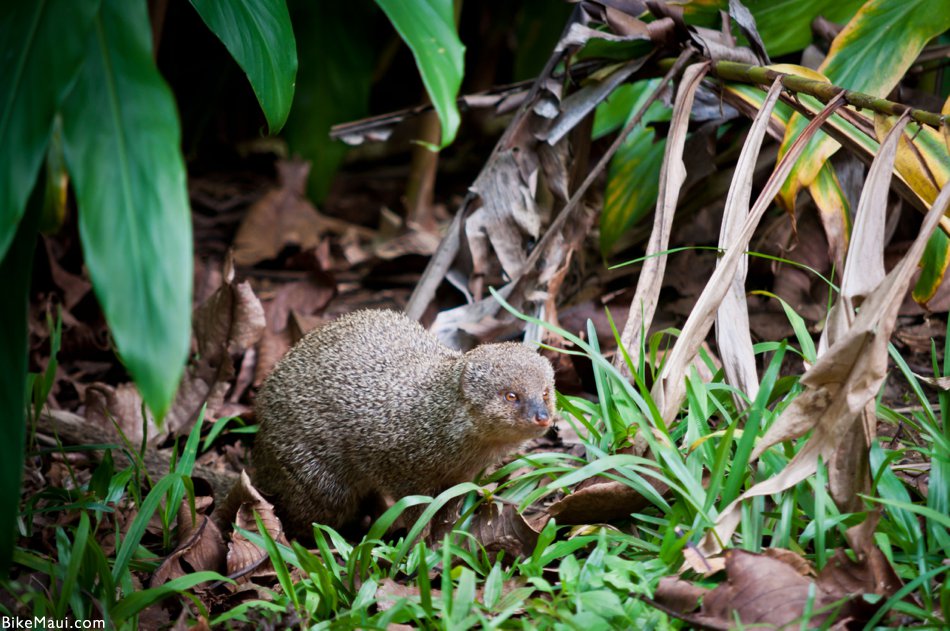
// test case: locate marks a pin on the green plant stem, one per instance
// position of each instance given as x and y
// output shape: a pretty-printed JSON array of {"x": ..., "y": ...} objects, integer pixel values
[{"x": 822, "y": 91}]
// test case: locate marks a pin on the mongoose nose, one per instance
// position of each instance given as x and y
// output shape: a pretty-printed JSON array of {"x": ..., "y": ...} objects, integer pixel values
[{"x": 542, "y": 418}]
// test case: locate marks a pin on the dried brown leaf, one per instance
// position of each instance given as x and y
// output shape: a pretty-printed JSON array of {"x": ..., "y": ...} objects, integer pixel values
[
  {"x": 839, "y": 387},
  {"x": 121, "y": 405},
  {"x": 283, "y": 217},
  {"x": 245, "y": 559},
  {"x": 606, "y": 501},
  {"x": 679, "y": 595},
  {"x": 762, "y": 591},
  {"x": 872, "y": 574},
  {"x": 74, "y": 287},
  {"x": 226, "y": 324},
  {"x": 503, "y": 529},
  {"x": 201, "y": 549},
  {"x": 670, "y": 389},
  {"x": 732, "y": 318},
  {"x": 672, "y": 175},
  {"x": 508, "y": 216},
  {"x": 864, "y": 265}
]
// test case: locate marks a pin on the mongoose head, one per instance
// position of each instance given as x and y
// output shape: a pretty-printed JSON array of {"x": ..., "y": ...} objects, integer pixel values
[{"x": 510, "y": 389}]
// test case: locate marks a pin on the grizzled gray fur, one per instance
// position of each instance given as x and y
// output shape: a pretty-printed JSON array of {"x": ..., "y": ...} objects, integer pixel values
[{"x": 372, "y": 405}]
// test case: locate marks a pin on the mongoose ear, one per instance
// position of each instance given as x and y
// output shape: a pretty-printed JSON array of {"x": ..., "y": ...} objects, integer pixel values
[{"x": 476, "y": 368}]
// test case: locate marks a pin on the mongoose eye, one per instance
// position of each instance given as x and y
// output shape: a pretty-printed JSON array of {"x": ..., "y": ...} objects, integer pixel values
[{"x": 511, "y": 396}]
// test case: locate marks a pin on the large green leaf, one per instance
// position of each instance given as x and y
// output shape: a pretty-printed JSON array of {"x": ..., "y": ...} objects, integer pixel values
[
  {"x": 634, "y": 172},
  {"x": 41, "y": 46},
  {"x": 121, "y": 142},
  {"x": 870, "y": 55},
  {"x": 258, "y": 35},
  {"x": 428, "y": 27},
  {"x": 333, "y": 83},
  {"x": 785, "y": 25},
  {"x": 15, "y": 269}
]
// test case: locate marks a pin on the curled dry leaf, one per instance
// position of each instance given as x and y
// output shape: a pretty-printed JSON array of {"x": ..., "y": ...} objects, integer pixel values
[
  {"x": 678, "y": 595},
  {"x": 226, "y": 324},
  {"x": 230, "y": 321},
  {"x": 503, "y": 530},
  {"x": 244, "y": 559},
  {"x": 305, "y": 297},
  {"x": 508, "y": 216},
  {"x": 389, "y": 593},
  {"x": 109, "y": 407},
  {"x": 672, "y": 175},
  {"x": 74, "y": 286},
  {"x": 201, "y": 547},
  {"x": 732, "y": 317},
  {"x": 604, "y": 501}
]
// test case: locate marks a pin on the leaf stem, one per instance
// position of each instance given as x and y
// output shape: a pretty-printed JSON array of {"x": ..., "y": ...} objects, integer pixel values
[{"x": 822, "y": 91}]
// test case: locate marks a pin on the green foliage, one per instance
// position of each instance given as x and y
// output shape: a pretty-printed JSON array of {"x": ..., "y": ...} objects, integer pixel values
[
  {"x": 258, "y": 35},
  {"x": 870, "y": 55},
  {"x": 91, "y": 63},
  {"x": 428, "y": 28}
]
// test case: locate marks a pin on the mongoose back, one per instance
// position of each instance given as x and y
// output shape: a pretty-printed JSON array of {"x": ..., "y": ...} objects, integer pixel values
[{"x": 372, "y": 405}]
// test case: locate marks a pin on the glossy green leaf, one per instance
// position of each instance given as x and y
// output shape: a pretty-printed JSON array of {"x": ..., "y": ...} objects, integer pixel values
[
  {"x": 428, "y": 27},
  {"x": 634, "y": 171},
  {"x": 785, "y": 25},
  {"x": 870, "y": 55},
  {"x": 15, "y": 270},
  {"x": 258, "y": 35},
  {"x": 42, "y": 44},
  {"x": 333, "y": 82},
  {"x": 121, "y": 142}
]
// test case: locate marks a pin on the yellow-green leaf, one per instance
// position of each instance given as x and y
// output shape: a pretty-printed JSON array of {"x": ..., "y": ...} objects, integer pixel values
[
  {"x": 933, "y": 266},
  {"x": 834, "y": 210},
  {"x": 870, "y": 55}
]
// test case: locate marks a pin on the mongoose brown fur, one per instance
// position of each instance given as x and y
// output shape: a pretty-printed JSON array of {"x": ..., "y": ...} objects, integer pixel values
[{"x": 373, "y": 406}]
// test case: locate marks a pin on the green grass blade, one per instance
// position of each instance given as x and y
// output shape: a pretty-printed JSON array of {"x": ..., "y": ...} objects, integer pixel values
[
  {"x": 136, "y": 601},
  {"x": 72, "y": 569},
  {"x": 134, "y": 535}
]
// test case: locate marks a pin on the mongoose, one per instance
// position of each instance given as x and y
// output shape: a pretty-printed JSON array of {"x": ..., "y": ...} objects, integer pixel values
[{"x": 373, "y": 406}]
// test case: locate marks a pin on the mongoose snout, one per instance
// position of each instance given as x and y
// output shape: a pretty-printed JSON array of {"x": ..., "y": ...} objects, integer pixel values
[{"x": 372, "y": 405}]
